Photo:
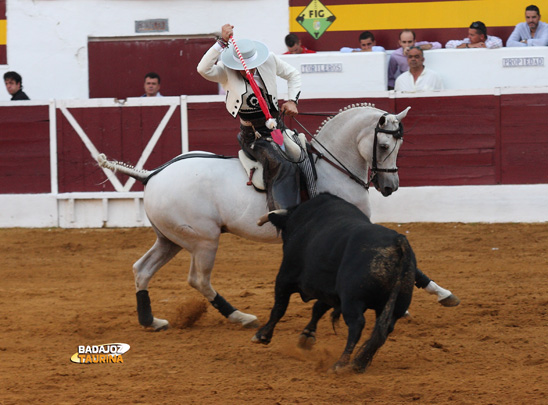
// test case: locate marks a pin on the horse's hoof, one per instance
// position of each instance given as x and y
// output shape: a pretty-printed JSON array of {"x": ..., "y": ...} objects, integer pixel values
[
  {"x": 247, "y": 320},
  {"x": 451, "y": 301},
  {"x": 159, "y": 324}
]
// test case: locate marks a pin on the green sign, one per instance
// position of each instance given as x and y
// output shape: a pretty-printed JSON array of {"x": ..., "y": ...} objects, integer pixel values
[{"x": 316, "y": 18}]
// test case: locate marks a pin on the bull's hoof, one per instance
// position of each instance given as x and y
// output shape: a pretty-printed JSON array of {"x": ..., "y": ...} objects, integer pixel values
[
  {"x": 358, "y": 368},
  {"x": 307, "y": 339},
  {"x": 260, "y": 339},
  {"x": 451, "y": 301},
  {"x": 159, "y": 324},
  {"x": 339, "y": 368},
  {"x": 247, "y": 320}
]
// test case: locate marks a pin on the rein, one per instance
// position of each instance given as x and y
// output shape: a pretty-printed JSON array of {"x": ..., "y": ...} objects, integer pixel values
[{"x": 397, "y": 133}]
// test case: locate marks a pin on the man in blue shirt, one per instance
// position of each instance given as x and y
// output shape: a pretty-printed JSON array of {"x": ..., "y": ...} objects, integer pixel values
[{"x": 532, "y": 32}]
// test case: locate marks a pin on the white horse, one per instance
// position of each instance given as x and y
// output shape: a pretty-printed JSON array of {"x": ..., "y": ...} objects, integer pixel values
[{"x": 192, "y": 201}]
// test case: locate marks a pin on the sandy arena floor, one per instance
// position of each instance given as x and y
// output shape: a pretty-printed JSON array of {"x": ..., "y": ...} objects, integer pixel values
[{"x": 64, "y": 288}]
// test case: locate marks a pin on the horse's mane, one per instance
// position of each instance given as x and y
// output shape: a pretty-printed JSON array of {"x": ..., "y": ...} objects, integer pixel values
[{"x": 348, "y": 107}]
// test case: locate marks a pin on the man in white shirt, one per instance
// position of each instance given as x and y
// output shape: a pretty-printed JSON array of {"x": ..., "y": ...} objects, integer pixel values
[
  {"x": 367, "y": 44},
  {"x": 418, "y": 77},
  {"x": 398, "y": 60},
  {"x": 477, "y": 38},
  {"x": 532, "y": 32}
]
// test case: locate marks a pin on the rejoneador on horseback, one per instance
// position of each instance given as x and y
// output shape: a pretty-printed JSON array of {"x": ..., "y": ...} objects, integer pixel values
[
  {"x": 351, "y": 149},
  {"x": 247, "y": 71}
]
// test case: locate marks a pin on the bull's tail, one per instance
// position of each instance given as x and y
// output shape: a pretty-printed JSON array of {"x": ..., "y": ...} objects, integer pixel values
[
  {"x": 138, "y": 174},
  {"x": 384, "y": 324}
]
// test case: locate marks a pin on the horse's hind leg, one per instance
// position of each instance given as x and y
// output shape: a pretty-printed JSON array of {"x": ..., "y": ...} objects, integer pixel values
[
  {"x": 143, "y": 270},
  {"x": 445, "y": 297},
  {"x": 199, "y": 277}
]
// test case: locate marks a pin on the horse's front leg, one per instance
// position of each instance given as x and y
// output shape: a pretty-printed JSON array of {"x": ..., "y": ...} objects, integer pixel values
[
  {"x": 199, "y": 277},
  {"x": 143, "y": 270}
]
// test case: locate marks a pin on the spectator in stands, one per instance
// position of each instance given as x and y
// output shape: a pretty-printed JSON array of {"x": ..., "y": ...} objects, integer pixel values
[
  {"x": 477, "y": 38},
  {"x": 367, "y": 44},
  {"x": 398, "y": 60},
  {"x": 294, "y": 46},
  {"x": 14, "y": 86},
  {"x": 532, "y": 32},
  {"x": 152, "y": 85},
  {"x": 418, "y": 77}
]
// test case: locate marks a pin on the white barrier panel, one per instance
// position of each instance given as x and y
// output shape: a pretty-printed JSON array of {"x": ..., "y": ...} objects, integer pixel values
[
  {"x": 489, "y": 204},
  {"x": 462, "y": 69},
  {"x": 336, "y": 73},
  {"x": 28, "y": 211},
  {"x": 500, "y": 203}
]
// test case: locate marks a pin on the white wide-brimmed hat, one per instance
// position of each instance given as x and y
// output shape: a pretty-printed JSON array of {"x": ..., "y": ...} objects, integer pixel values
[{"x": 255, "y": 53}]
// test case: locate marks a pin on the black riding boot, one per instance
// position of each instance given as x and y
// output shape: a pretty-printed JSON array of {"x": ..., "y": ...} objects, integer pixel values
[{"x": 281, "y": 177}]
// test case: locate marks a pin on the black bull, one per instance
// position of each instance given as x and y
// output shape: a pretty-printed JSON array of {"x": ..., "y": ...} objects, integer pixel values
[{"x": 334, "y": 254}]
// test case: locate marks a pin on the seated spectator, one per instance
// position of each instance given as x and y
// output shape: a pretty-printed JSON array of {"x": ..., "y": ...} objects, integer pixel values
[
  {"x": 477, "y": 38},
  {"x": 398, "y": 60},
  {"x": 294, "y": 46},
  {"x": 367, "y": 44},
  {"x": 14, "y": 86},
  {"x": 152, "y": 85},
  {"x": 418, "y": 77},
  {"x": 532, "y": 32}
]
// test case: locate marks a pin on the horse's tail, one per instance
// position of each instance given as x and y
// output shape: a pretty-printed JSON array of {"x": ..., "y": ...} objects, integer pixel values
[{"x": 138, "y": 174}]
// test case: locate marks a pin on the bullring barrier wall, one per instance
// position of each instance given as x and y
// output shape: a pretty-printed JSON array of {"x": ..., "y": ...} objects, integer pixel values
[
  {"x": 333, "y": 73},
  {"x": 475, "y": 157}
]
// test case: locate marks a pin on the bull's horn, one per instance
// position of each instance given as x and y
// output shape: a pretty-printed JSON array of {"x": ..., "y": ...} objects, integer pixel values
[
  {"x": 403, "y": 114},
  {"x": 264, "y": 219}
]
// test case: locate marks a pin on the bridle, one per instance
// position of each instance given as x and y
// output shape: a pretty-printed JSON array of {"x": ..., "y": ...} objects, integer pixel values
[{"x": 396, "y": 133}]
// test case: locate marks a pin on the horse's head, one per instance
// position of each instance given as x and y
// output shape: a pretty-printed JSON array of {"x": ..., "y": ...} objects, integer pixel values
[{"x": 387, "y": 140}]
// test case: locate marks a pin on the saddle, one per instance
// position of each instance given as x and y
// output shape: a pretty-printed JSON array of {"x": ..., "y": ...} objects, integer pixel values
[{"x": 293, "y": 146}]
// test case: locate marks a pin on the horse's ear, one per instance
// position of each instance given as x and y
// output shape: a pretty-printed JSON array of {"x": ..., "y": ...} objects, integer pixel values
[
  {"x": 403, "y": 114},
  {"x": 382, "y": 120}
]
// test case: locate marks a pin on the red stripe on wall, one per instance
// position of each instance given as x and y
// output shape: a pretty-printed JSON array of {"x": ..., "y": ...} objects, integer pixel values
[
  {"x": 3, "y": 55},
  {"x": 2, "y": 9}
]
